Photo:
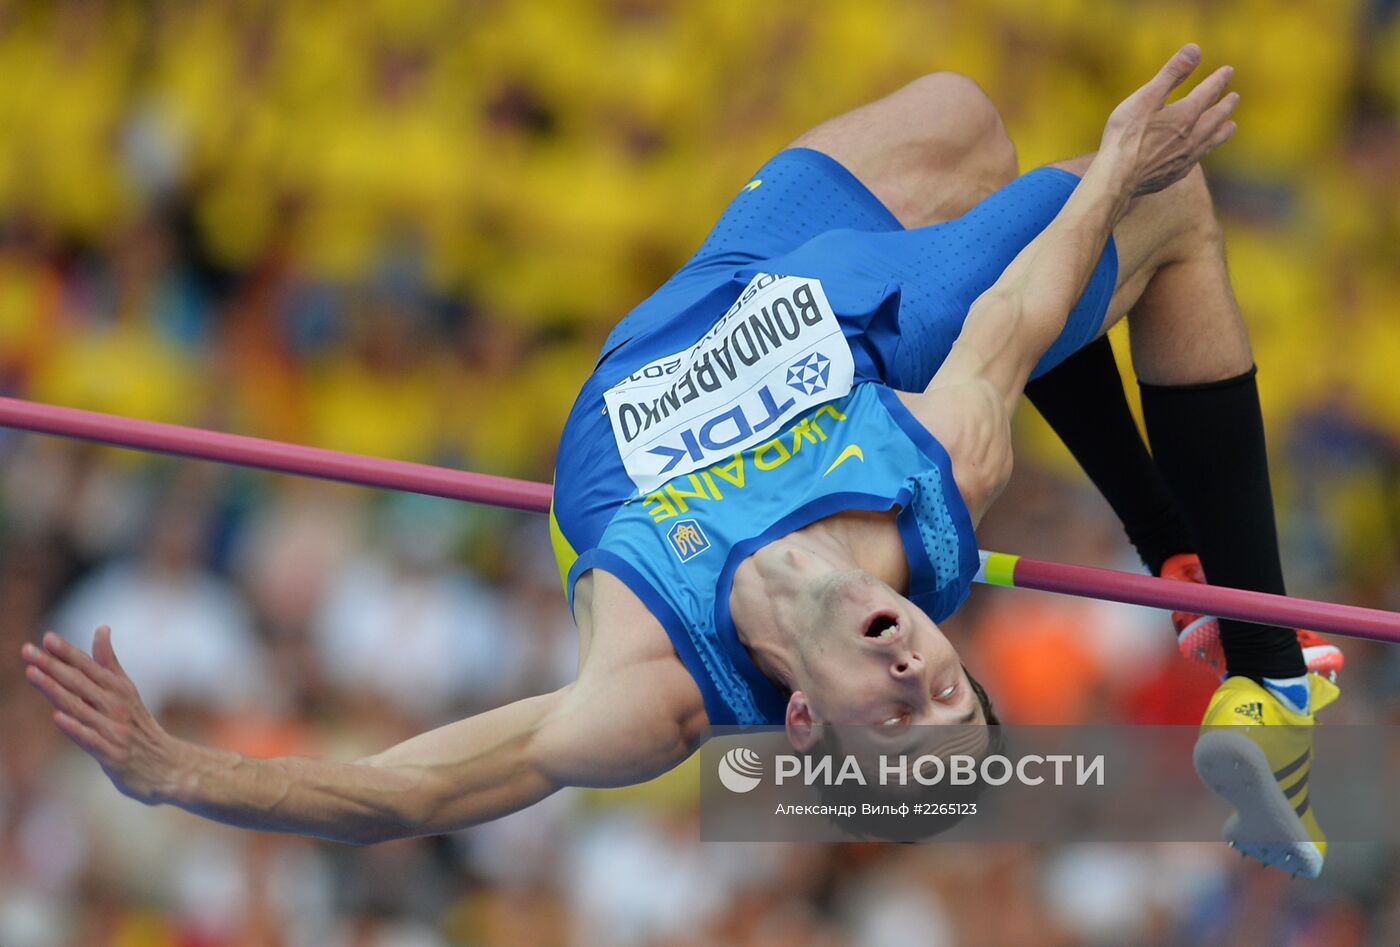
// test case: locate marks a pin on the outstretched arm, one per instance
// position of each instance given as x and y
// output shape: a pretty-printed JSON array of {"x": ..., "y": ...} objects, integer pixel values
[{"x": 459, "y": 775}]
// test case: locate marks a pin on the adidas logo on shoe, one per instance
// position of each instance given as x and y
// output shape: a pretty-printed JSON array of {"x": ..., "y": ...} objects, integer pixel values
[{"x": 1254, "y": 711}]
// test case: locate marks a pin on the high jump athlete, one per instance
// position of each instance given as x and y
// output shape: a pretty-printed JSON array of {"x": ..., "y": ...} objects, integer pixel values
[{"x": 766, "y": 493}]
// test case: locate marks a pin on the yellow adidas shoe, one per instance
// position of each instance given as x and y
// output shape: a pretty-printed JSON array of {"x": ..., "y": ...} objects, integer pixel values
[{"x": 1256, "y": 754}]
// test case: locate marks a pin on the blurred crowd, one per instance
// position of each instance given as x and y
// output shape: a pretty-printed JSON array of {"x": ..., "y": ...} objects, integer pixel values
[{"x": 403, "y": 227}]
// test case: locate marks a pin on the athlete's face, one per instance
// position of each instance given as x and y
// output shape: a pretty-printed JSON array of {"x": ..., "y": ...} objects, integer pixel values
[{"x": 868, "y": 656}]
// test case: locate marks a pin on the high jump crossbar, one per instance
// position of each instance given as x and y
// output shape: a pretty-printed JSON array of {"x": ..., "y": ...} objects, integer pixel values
[{"x": 999, "y": 569}]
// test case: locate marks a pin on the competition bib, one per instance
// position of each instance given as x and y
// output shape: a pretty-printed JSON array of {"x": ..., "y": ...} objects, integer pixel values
[{"x": 778, "y": 351}]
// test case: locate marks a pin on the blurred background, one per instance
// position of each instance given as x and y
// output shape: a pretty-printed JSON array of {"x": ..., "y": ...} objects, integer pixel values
[{"x": 403, "y": 227}]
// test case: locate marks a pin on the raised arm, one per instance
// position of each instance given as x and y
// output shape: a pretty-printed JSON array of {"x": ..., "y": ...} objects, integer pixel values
[
  {"x": 459, "y": 775},
  {"x": 1147, "y": 145}
]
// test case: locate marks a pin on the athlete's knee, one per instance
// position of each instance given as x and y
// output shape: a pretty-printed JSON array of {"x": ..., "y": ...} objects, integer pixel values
[
  {"x": 1189, "y": 214},
  {"x": 955, "y": 118},
  {"x": 1196, "y": 203},
  {"x": 955, "y": 95}
]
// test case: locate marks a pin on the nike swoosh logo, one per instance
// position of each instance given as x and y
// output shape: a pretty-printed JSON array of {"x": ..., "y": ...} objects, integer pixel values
[{"x": 851, "y": 451}]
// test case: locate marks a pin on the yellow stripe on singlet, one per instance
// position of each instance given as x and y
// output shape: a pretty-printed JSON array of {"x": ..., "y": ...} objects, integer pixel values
[{"x": 564, "y": 554}]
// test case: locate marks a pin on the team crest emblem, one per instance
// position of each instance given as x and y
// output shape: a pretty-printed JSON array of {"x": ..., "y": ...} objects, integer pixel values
[
  {"x": 811, "y": 374},
  {"x": 688, "y": 539}
]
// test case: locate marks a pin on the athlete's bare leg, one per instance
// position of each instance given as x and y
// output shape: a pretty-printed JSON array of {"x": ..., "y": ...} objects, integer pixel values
[
  {"x": 929, "y": 151},
  {"x": 1185, "y": 326}
]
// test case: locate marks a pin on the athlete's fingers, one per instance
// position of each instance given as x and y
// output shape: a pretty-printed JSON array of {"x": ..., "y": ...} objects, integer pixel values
[
  {"x": 1220, "y": 136},
  {"x": 69, "y": 677},
  {"x": 77, "y": 657},
  {"x": 1210, "y": 123},
  {"x": 66, "y": 701},
  {"x": 103, "y": 652},
  {"x": 86, "y": 737},
  {"x": 1183, "y": 62},
  {"x": 1215, "y": 116},
  {"x": 1207, "y": 91}
]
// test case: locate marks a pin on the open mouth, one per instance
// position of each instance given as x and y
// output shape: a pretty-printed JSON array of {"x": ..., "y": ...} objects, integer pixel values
[{"x": 882, "y": 627}]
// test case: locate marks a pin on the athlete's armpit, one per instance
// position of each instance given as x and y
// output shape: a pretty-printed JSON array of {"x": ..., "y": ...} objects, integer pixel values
[{"x": 969, "y": 418}]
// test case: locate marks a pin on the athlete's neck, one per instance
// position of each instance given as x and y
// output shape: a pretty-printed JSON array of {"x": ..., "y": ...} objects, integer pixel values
[{"x": 773, "y": 585}]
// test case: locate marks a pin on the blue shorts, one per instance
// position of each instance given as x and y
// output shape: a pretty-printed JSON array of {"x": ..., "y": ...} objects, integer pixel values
[{"x": 902, "y": 295}]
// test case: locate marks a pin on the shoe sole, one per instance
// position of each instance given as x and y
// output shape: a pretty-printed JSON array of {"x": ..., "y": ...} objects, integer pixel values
[{"x": 1264, "y": 825}]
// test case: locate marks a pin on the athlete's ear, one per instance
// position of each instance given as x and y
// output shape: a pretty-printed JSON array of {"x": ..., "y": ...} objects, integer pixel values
[{"x": 803, "y": 730}]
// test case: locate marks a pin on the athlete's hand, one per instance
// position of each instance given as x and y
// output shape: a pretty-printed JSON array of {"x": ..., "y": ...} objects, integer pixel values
[
  {"x": 98, "y": 707},
  {"x": 1156, "y": 143}
]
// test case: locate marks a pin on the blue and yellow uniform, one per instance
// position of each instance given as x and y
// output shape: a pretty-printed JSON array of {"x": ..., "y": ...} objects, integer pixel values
[{"x": 754, "y": 393}]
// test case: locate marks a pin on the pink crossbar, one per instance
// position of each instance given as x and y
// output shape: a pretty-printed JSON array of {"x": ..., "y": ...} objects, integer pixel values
[
  {"x": 275, "y": 456},
  {"x": 386, "y": 474}
]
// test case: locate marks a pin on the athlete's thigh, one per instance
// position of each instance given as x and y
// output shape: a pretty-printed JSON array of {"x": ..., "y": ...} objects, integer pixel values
[
  {"x": 924, "y": 153},
  {"x": 935, "y": 148},
  {"x": 929, "y": 151}
]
